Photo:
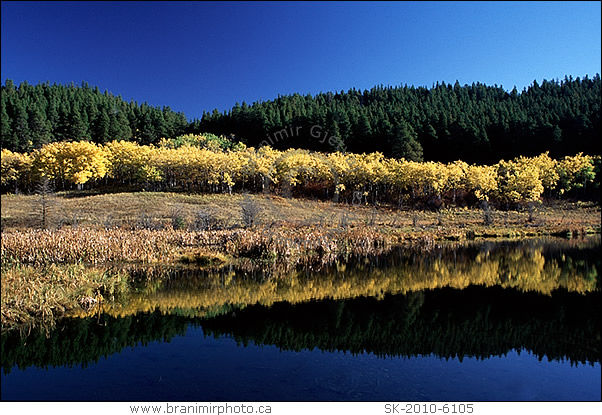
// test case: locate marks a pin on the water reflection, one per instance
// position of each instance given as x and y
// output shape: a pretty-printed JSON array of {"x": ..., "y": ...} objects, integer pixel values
[
  {"x": 540, "y": 266},
  {"x": 475, "y": 322},
  {"x": 475, "y": 300}
]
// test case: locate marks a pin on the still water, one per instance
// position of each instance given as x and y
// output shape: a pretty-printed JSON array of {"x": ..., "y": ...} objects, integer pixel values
[{"x": 503, "y": 321}]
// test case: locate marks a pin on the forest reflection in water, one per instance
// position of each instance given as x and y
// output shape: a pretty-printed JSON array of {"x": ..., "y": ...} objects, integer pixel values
[
  {"x": 455, "y": 300},
  {"x": 541, "y": 266}
]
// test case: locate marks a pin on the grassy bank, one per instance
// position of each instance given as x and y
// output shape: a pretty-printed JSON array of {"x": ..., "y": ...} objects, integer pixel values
[
  {"x": 216, "y": 230},
  {"x": 38, "y": 296},
  {"x": 152, "y": 211},
  {"x": 159, "y": 210},
  {"x": 98, "y": 246}
]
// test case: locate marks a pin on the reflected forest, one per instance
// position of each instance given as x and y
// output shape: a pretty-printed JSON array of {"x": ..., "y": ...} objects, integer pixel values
[{"x": 471, "y": 300}]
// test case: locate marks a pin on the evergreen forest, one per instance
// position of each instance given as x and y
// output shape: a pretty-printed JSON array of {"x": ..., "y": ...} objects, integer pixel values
[{"x": 475, "y": 123}]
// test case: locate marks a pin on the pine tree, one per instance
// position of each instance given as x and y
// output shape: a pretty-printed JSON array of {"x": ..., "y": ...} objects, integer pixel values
[
  {"x": 39, "y": 127},
  {"x": 8, "y": 139},
  {"x": 405, "y": 144},
  {"x": 101, "y": 128},
  {"x": 77, "y": 129},
  {"x": 20, "y": 127}
]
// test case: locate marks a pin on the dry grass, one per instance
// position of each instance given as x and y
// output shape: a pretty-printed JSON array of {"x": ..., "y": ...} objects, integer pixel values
[
  {"x": 139, "y": 227},
  {"x": 125, "y": 210},
  {"x": 34, "y": 296},
  {"x": 41, "y": 247},
  {"x": 112, "y": 210},
  {"x": 95, "y": 246}
]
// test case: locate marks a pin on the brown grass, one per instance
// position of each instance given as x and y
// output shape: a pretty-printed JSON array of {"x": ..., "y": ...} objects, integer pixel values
[
  {"x": 139, "y": 228},
  {"x": 125, "y": 210},
  {"x": 109, "y": 228},
  {"x": 95, "y": 246},
  {"x": 33, "y": 296}
]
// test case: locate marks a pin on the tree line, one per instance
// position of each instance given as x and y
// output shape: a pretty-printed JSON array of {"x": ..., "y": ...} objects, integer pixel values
[
  {"x": 475, "y": 123},
  {"x": 33, "y": 116},
  {"x": 343, "y": 177}
]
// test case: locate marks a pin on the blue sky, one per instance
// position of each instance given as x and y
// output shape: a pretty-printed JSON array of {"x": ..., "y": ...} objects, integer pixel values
[{"x": 195, "y": 56}]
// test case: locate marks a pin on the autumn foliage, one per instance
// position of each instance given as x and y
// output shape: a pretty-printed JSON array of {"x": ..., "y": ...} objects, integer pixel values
[{"x": 198, "y": 165}]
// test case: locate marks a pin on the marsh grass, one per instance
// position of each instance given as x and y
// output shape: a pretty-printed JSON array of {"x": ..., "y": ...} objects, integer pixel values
[
  {"x": 100, "y": 246},
  {"x": 47, "y": 273},
  {"x": 139, "y": 227},
  {"x": 67, "y": 245},
  {"x": 38, "y": 296}
]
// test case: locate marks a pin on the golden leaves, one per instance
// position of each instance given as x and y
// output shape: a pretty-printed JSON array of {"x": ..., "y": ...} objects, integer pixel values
[
  {"x": 76, "y": 162},
  {"x": 209, "y": 168}
]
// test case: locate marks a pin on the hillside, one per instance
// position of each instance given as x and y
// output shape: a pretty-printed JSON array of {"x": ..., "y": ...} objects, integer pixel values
[{"x": 475, "y": 123}]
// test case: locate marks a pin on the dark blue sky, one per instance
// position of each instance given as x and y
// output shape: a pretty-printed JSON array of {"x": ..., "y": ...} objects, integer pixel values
[{"x": 195, "y": 56}]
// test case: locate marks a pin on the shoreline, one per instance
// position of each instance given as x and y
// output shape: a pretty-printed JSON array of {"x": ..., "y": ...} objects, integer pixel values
[
  {"x": 209, "y": 230},
  {"x": 38, "y": 296},
  {"x": 215, "y": 247},
  {"x": 47, "y": 272}
]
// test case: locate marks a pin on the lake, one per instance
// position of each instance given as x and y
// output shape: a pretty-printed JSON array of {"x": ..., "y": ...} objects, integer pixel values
[{"x": 478, "y": 321}]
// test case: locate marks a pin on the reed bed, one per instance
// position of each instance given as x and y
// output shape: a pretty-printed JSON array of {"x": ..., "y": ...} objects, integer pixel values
[
  {"x": 295, "y": 244},
  {"x": 38, "y": 296},
  {"x": 41, "y": 247},
  {"x": 95, "y": 246},
  {"x": 307, "y": 244}
]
